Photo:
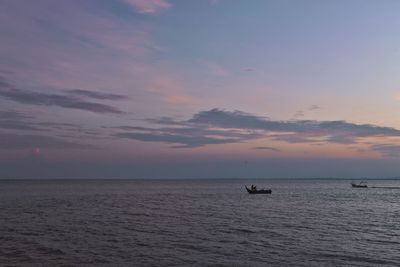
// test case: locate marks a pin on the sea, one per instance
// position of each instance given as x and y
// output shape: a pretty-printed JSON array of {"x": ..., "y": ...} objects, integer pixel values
[{"x": 209, "y": 222}]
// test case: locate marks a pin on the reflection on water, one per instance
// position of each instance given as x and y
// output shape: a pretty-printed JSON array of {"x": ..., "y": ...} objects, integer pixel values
[{"x": 200, "y": 222}]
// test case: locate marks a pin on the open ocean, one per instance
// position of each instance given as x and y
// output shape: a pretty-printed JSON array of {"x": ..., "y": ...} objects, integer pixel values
[{"x": 198, "y": 222}]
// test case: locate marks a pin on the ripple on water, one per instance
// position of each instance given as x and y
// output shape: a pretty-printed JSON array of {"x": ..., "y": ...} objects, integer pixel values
[{"x": 304, "y": 223}]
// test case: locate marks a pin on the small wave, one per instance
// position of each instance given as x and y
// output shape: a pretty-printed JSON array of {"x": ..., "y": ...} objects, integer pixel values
[
  {"x": 386, "y": 187},
  {"x": 49, "y": 251},
  {"x": 383, "y": 241},
  {"x": 244, "y": 230},
  {"x": 354, "y": 258}
]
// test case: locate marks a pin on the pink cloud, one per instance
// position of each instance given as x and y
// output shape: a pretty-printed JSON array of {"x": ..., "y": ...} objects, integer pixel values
[
  {"x": 148, "y": 6},
  {"x": 94, "y": 44},
  {"x": 96, "y": 51}
]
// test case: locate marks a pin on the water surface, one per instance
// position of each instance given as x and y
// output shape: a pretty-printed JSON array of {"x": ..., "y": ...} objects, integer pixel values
[{"x": 199, "y": 222}]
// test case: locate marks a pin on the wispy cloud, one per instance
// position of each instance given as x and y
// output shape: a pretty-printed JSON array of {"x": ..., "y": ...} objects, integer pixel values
[
  {"x": 298, "y": 114},
  {"x": 314, "y": 107},
  {"x": 302, "y": 113},
  {"x": 10, "y": 92},
  {"x": 295, "y": 138},
  {"x": 183, "y": 140},
  {"x": 96, "y": 50},
  {"x": 187, "y": 136},
  {"x": 148, "y": 6},
  {"x": 218, "y": 126},
  {"x": 387, "y": 150},
  {"x": 17, "y": 120},
  {"x": 14, "y": 120},
  {"x": 342, "y": 139},
  {"x": 239, "y": 119},
  {"x": 248, "y": 69},
  {"x": 25, "y": 141},
  {"x": 97, "y": 95},
  {"x": 229, "y": 119},
  {"x": 266, "y": 148},
  {"x": 166, "y": 120}
]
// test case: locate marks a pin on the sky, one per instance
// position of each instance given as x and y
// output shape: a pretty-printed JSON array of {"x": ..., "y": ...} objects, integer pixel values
[{"x": 199, "y": 89}]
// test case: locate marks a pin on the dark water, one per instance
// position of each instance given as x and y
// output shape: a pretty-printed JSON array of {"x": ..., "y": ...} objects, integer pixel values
[{"x": 192, "y": 222}]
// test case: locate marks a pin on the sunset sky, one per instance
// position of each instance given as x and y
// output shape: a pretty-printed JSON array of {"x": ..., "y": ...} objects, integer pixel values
[{"x": 199, "y": 89}]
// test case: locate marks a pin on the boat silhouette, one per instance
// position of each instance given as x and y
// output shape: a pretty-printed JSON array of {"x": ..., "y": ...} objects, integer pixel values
[
  {"x": 254, "y": 190},
  {"x": 359, "y": 185}
]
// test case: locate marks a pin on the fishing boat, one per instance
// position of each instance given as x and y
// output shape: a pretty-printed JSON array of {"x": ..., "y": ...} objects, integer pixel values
[
  {"x": 258, "y": 191},
  {"x": 359, "y": 185}
]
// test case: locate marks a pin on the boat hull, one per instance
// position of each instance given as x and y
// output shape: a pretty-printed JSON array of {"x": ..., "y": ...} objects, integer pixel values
[
  {"x": 359, "y": 185},
  {"x": 263, "y": 191}
]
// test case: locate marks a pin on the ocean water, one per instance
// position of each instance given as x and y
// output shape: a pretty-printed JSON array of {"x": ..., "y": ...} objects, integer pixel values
[{"x": 198, "y": 223}]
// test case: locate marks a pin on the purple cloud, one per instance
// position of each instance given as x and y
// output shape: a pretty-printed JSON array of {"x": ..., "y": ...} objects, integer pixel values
[
  {"x": 219, "y": 126},
  {"x": 185, "y": 141},
  {"x": 10, "y": 92},
  {"x": 97, "y": 95},
  {"x": 187, "y": 136},
  {"x": 314, "y": 107},
  {"x": 266, "y": 148},
  {"x": 148, "y": 6},
  {"x": 13, "y": 120},
  {"x": 387, "y": 150},
  {"x": 29, "y": 141}
]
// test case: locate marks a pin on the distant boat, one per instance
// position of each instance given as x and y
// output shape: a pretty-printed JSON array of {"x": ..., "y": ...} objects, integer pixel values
[
  {"x": 359, "y": 185},
  {"x": 258, "y": 191}
]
